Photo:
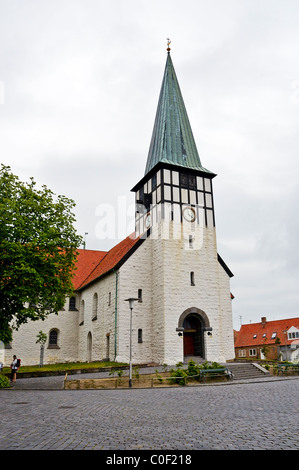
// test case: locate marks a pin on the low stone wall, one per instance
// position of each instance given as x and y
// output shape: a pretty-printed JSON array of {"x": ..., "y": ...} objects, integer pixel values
[{"x": 145, "y": 381}]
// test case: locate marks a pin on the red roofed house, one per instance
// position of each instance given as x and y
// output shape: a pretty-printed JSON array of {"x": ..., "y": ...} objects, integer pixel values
[
  {"x": 273, "y": 340},
  {"x": 170, "y": 264}
]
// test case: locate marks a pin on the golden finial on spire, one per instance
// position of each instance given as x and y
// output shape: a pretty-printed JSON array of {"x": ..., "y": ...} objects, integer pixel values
[{"x": 168, "y": 44}]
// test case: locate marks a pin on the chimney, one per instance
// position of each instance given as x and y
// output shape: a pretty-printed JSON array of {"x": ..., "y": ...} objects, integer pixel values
[{"x": 264, "y": 321}]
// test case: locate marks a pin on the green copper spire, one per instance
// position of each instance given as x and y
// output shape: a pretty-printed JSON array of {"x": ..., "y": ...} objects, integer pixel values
[{"x": 172, "y": 139}]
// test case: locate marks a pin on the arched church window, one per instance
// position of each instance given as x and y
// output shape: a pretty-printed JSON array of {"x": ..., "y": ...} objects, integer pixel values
[
  {"x": 81, "y": 317},
  {"x": 95, "y": 306},
  {"x": 53, "y": 339}
]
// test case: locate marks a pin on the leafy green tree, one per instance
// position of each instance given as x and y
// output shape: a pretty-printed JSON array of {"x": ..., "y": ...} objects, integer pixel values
[{"x": 38, "y": 250}]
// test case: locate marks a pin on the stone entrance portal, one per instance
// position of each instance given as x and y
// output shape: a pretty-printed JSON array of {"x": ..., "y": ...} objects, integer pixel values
[{"x": 194, "y": 322}]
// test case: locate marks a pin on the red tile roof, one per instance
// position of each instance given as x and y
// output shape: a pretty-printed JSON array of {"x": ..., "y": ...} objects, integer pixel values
[
  {"x": 87, "y": 260},
  {"x": 246, "y": 335},
  {"x": 97, "y": 263}
]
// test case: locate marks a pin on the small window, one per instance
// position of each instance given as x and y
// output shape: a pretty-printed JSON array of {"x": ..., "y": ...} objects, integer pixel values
[
  {"x": 184, "y": 180},
  {"x": 140, "y": 335},
  {"x": 273, "y": 335},
  {"x": 254, "y": 336},
  {"x": 139, "y": 295},
  {"x": 264, "y": 335},
  {"x": 53, "y": 339},
  {"x": 192, "y": 278},
  {"x": 293, "y": 335},
  {"x": 154, "y": 182},
  {"x": 109, "y": 299},
  {"x": 190, "y": 241},
  {"x": 72, "y": 304},
  {"x": 192, "y": 182},
  {"x": 252, "y": 352}
]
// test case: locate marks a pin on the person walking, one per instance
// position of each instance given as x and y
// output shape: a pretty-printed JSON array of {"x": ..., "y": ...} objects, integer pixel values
[{"x": 14, "y": 368}]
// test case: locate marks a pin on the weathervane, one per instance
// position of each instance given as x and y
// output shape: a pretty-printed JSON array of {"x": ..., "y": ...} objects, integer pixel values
[{"x": 168, "y": 44}]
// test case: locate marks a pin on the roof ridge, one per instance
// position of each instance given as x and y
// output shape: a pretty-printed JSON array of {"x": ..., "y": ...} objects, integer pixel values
[{"x": 270, "y": 321}]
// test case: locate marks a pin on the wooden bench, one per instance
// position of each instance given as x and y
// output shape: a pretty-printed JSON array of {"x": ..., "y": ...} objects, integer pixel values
[
  {"x": 285, "y": 368},
  {"x": 223, "y": 372}
]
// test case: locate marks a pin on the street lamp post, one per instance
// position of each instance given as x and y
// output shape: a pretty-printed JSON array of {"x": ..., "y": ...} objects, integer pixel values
[
  {"x": 285, "y": 343},
  {"x": 131, "y": 304}
]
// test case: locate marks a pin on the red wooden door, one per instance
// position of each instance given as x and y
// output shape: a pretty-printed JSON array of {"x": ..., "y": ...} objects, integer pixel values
[{"x": 188, "y": 345}]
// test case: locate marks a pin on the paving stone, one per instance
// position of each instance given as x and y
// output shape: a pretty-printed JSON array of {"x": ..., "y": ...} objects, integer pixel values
[{"x": 259, "y": 415}]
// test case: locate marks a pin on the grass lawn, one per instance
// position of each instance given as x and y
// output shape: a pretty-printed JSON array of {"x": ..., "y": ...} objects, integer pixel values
[{"x": 66, "y": 366}]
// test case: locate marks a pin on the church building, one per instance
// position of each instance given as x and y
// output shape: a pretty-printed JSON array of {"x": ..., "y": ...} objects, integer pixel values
[{"x": 170, "y": 265}]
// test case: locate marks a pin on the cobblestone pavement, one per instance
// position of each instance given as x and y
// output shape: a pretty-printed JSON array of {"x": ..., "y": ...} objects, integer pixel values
[{"x": 240, "y": 416}]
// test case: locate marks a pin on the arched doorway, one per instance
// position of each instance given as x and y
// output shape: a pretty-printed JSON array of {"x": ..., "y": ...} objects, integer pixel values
[
  {"x": 193, "y": 338},
  {"x": 194, "y": 322}
]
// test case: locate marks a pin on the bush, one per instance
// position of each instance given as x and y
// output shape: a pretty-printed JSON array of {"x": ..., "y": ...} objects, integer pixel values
[
  {"x": 210, "y": 365},
  {"x": 4, "y": 382},
  {"x": 193, "y": 368},
  {"x": 178, "y": 376}
]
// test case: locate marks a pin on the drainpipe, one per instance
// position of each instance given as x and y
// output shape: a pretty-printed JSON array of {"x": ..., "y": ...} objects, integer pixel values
[{"x": 115, "y": 314}]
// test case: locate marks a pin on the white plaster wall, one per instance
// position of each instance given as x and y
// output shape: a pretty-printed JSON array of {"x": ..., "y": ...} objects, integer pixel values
[
  {"x": 101, "y": 327},
  {"x": 24, "y": 340},
  {"x": 211, "y": 293},
  {"x": 136, "y": 274}
]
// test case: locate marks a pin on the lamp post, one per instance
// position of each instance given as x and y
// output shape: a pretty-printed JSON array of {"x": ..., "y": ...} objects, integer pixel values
[
  {"x": 285, "y": 343},
  {"x": 131, "y": 304}
]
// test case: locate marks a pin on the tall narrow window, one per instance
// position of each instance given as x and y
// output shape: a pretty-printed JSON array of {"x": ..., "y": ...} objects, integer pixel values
[
  {"x": 139, "y": 335},
  {"x": 139, "y": 295},
  {"x": 190, "y": 241},
  {"x": 81, "y": 318},
  {"x": 192, "y": 278},
  {"x": 95, "y": 306}
]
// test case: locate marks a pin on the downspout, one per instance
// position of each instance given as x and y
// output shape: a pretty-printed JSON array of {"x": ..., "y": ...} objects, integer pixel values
[{"x": 115, "y": 314}]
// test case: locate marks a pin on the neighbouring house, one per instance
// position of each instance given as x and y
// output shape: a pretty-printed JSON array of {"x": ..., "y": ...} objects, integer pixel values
[{"x": 272, "y": 340}]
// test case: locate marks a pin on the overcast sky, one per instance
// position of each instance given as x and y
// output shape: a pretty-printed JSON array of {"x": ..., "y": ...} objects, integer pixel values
[{"x": 79, "y": 87}]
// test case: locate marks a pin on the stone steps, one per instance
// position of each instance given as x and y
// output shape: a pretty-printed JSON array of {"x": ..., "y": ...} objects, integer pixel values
[
  {"x": 241, "y": 371},
  {"x": 247, "y": 371}
]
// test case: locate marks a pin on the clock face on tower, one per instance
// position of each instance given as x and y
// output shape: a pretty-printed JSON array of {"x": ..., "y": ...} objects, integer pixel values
[
  {"x": 147, "y": 220},
  {"x": 189, "y": 214}
]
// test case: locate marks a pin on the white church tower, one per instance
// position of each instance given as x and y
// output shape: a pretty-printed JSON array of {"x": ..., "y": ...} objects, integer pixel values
[{"x": 190, "y": 311}]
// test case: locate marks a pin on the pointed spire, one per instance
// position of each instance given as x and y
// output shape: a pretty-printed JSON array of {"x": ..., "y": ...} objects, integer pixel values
[{"x": 172, "y": 139}]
